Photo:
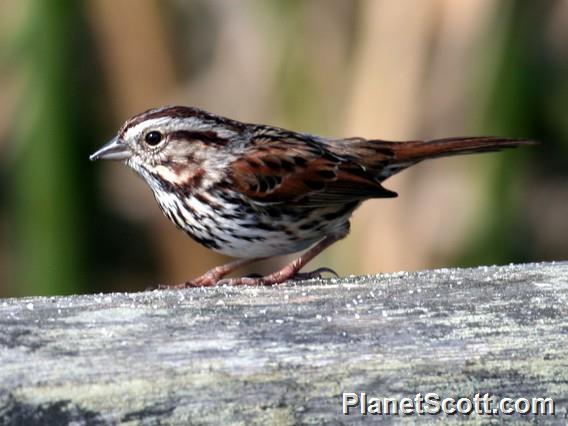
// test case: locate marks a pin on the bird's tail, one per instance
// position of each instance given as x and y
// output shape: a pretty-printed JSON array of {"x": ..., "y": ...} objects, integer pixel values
[
  {"x": 422, "y": 150},
  {"x": 397, "y": 156}
]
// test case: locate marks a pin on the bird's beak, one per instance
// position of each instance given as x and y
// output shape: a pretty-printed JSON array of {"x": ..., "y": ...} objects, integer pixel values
[{"x": 113, "y": 150}]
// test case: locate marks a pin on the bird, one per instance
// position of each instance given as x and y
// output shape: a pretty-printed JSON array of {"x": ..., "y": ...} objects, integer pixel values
[{"x": 255, "y": 191}]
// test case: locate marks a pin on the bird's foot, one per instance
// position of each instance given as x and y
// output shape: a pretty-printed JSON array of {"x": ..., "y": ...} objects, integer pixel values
[
  {"x": 205, "y": 280},
  {"x": 210, "y": 279},
  {"x": 315, "y": 274},
  {"x": 279, "y": 277}
]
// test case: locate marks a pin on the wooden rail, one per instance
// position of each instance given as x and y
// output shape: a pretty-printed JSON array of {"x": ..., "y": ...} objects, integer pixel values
[{"x": 285, "y": 355}]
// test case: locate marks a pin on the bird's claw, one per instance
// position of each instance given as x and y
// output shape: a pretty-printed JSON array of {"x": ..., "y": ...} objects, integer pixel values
[
  {"x": 188, "y": 284},
  {"x": 249, "y": 280},
  {"x": 315, "y": 274}
]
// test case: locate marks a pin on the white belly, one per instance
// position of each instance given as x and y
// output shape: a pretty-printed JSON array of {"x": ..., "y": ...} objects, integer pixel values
[{"x": 234, "y": 230}]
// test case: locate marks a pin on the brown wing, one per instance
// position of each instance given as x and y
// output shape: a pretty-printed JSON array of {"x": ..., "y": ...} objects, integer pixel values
[{"x": 301, "y": 171}]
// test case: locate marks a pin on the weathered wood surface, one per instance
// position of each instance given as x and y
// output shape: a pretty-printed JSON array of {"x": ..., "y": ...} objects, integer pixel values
[{"x": 284, "y": 355}]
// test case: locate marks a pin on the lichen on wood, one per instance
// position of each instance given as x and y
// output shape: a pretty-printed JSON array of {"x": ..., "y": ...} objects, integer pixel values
[{"x": 285, "y": 354}]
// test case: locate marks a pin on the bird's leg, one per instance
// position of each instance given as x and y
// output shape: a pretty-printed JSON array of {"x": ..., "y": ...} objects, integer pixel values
[
  {"x": 291, "y": 270},
  {"x": 212, "y": 276}
]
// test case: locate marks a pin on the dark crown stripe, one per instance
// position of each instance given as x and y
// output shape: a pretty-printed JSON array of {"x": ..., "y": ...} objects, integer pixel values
[
  {"x": 180, "y": 112},
  {"x": 173, "y": 112}
]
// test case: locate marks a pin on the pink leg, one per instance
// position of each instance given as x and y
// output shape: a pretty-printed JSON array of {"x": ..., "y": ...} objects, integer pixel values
[
  {"x": 212, "y": 276},
  {"x": 291, "y": 270}
]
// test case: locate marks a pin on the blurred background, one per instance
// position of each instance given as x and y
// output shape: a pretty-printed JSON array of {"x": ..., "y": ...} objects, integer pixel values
[{"x": 71, "y": 73}]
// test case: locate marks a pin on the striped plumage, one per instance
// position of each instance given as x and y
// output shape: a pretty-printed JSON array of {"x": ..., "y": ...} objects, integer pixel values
[{"x": 253, "y": 191}]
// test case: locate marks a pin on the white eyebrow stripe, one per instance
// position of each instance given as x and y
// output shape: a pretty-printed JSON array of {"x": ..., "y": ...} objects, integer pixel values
[
  {"x": 169, "y": 124},
  {"x": 146, "y": 124}
]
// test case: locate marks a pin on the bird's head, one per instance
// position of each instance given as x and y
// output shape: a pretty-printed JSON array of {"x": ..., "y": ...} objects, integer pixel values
[{"x": 171, "y": 144}]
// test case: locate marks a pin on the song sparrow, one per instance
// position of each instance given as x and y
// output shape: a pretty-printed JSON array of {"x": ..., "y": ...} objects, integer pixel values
[{"x": 254, "y": 191}]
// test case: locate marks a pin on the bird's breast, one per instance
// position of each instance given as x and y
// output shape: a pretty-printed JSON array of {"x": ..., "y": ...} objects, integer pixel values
[{"x": 228, "y": 224}]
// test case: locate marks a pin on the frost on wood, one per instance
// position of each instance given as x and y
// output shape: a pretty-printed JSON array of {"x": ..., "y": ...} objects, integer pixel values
[{"x": 285, "y": 354}]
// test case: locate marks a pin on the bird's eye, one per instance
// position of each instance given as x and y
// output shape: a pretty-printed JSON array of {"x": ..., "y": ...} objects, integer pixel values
[{"x": 153, "y": 138}]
